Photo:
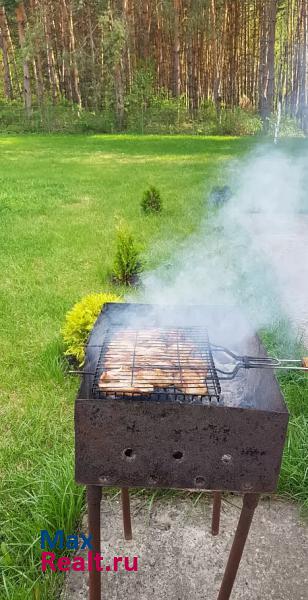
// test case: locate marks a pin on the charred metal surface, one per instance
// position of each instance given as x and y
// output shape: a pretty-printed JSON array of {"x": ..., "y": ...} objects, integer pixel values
[
  {"x": 234, "y": 444},
  {"x": 139, "y": 444}
]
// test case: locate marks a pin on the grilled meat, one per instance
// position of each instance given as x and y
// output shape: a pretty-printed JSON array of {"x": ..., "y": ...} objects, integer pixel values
[{"x": 150, "y": 359}]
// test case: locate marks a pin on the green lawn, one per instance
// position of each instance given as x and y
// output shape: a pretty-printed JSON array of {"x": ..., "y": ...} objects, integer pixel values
[{"x": 59, "y": 199}]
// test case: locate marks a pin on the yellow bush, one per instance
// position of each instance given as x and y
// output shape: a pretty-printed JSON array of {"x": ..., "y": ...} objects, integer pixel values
[{"x": 80, "y": 320}]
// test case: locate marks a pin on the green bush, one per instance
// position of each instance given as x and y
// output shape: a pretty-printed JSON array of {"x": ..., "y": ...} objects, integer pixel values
[
  {"x": 288, "y": 127},
  {"x": 127, "y": 263},
  {"x": 79, "y": 322},
  {"x": 146, "y": 111},
  {"x": 239, "y": 121},
  {"x": 151, "y": 201},
  {"x": 60, "y": 118}
]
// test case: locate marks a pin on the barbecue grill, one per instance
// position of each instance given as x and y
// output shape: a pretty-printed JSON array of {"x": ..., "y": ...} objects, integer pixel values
[{"x": 156, "y": 408}]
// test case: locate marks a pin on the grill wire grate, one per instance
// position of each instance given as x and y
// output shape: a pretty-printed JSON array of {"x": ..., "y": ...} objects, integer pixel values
[{"x": 173, "y": 363}]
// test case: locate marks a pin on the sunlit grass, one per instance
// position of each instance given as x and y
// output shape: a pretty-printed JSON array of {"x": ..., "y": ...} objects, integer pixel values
[
  {"x": 58, "y": 203},
  {"x": 294, "y": 470},
  {"x": 59, "y": 197}
]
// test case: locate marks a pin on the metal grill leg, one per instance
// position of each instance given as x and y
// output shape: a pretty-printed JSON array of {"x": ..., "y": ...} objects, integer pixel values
[
  {"x": 94, "y": 495},
  {"x": 216, "y": 513},
  {"x": 250, "y": 503},
  {"x": 126, "y": 514}
]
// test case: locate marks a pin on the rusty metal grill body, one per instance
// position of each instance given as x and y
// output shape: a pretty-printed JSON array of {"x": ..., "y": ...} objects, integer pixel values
[{"x": 228, "y": 439}]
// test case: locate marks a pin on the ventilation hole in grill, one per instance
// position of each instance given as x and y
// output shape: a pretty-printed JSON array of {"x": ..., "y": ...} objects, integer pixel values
[
  {"x": 153, "y": 480},
  {"x": 104, "y": 479},
  {"x": 178, "y": 455},
  {"x": 226, "y": 459},
  {"x": 129, "y": 453},
  {"x": 200, "y": 482},
  {"x": 247, "y": 486}
]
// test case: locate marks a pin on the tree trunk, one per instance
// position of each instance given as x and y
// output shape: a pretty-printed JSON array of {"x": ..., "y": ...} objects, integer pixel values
[
  {"x": 52, "y": 73},
  {"x": 37, "y": 62},
  {"x": 11, "y": 53},
  {"x": 159, "y": 46},
  {"x": 216, "y": 73},
  {"x": 303, "y": 108},
  {"x": 176, "y": 84},
  {"x": 21, "y": 21},
  {"x": 267, "y": 60},
  {"x": 145, "y": 30},
  {"x": 190, "y": 75},
  {"x": 93, "y": 59},
  {"x": 67, "y": 7},
  {"x": 119, "y": 96},
  {"x": 75, "y": 73},
  {"x": 271, "y": 57},
  {"x": 8, "y": 88},
  {"x": 65, "y": 63},
  {"x": 263, "y": 66},
  {"x": 194, "y": 70},
  {"x": 127, "y": 54}
]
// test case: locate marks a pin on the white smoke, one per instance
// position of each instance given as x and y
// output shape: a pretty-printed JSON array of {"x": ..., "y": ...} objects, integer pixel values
[{"x": 253, "y": 252}]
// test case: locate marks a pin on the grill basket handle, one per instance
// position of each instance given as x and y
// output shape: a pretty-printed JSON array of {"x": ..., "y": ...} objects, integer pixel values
[{"x": 255, "y": 362}]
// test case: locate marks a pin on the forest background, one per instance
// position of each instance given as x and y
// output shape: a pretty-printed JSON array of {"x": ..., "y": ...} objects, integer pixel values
[{"x": 216, "y": 67}]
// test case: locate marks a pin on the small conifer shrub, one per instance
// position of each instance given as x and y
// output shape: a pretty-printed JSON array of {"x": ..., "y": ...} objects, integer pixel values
[
  {"x": 151, "y": 201},
  {"x": 127, "y": 262}
]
